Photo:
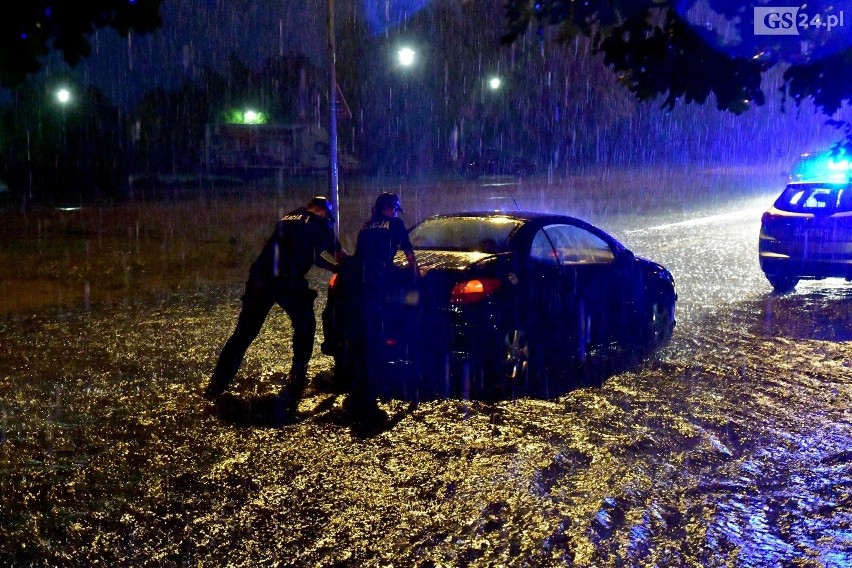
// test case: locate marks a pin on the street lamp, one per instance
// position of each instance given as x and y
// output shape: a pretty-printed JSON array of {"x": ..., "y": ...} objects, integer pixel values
[
  {"x": 406, "y": 56},
  {"x": 63, "y": 95},
  {"x": 494, "y": 83}
]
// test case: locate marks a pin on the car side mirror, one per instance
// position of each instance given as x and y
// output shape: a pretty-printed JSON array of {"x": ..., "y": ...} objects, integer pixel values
[{"x": 626, "y": 257}]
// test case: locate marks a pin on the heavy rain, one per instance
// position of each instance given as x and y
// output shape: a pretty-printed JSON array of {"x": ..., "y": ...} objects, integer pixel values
[{"x": 731, "y": 446}]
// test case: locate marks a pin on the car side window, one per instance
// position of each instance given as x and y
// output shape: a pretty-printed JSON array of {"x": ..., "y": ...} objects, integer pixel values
[
  {"x": 576, "y": 245},
  {"x": 542, "y": 249}
]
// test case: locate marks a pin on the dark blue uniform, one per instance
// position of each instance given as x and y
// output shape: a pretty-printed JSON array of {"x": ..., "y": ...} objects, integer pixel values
[
  {"x": 278, "y": 276},
  {"x": 378, "y": 241},
  {"x": 378, "y": 287}
]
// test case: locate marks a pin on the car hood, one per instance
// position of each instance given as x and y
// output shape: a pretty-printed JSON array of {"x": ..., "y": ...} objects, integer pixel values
[
  {"x": 428, "y": 260},
  {"x": 656, "y": 271}
]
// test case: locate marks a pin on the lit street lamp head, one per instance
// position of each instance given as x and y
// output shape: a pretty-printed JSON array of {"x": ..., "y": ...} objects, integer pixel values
[
  {"x": 406, "y": 56},
  {"x": 495, "y": 83},
  {"x": 63, "y": 96}
]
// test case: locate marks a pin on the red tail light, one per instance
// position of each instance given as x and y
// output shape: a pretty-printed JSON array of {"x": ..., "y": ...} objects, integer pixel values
[
  {"x": 471, "y": 291},
  {"x": 332, "y": 281}
]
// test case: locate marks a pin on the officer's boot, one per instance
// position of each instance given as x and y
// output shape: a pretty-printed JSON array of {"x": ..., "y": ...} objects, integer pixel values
[
  {"x": 216, "y": 387},
  {"x": 292, "y": 392}
]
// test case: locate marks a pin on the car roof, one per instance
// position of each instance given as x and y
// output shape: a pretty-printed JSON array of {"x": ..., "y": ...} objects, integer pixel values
[
  {"x": 529, "y": 221},
  {"x": 524, "y": 216}
]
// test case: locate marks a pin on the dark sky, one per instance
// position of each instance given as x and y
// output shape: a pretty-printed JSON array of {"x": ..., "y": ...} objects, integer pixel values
[{"x": 196, "y": 33}]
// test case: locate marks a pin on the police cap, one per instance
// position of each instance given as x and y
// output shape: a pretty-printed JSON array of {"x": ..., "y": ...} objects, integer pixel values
[
  {"x": 387, "y": 200},
  {"x": 324, "y": 204}
]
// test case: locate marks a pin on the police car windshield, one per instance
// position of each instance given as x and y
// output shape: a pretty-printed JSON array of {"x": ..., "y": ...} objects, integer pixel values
[
  {"x": 816, "y": 198},
  {"x": 482, "y": 234}
]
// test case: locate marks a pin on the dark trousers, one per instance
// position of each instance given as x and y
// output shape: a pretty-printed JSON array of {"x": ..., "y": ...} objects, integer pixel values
[
  {"x": 377, "y": 314},
  {"x": 297, "y": 301}
]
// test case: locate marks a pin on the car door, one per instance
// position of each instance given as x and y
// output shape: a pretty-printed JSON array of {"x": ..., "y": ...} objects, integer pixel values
[
  {"x": 539, "y": 301},
  {"x": 588, "y": 283}
]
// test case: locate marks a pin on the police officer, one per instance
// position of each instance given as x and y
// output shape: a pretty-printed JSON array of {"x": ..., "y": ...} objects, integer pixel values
[
  {"x": 378, "y": 241},
  {"x": 278, "y": 276}
]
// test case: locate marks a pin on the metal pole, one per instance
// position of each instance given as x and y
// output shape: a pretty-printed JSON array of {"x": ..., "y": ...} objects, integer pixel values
[{"x": 332, "y": 119}]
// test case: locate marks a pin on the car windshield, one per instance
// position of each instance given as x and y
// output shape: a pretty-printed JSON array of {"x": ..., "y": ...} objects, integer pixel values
[
  {"x": 816, "y": 198},
  {"x": 483, "y": 234}
]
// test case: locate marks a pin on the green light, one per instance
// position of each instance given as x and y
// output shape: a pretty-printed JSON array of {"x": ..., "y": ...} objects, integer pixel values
[{"x": 248, "y": 116}]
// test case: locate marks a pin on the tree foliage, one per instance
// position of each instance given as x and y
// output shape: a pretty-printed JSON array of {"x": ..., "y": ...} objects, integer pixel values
[
  {"x": 31, "y": 30},
  {"x": 689, "y": 49}
]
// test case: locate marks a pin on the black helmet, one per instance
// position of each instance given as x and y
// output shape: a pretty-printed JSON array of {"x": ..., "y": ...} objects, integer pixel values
[
  {"x": 387, "y": 200},
  {"x": 324, "y": 204}
]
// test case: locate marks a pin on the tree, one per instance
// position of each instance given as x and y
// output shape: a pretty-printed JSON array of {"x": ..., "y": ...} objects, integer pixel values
[
  {"x": 30, "y": 30},
  {"x": 689, "y": 49}
]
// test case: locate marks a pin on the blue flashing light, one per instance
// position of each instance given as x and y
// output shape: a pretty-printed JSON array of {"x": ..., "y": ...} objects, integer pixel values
[{"x": 822, "y": 167}]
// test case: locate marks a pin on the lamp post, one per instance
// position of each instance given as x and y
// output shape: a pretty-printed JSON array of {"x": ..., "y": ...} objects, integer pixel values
[{"x": 332, "y": 119}]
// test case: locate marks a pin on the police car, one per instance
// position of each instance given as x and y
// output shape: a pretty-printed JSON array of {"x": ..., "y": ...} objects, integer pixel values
[{"x": 807, "y": 233}]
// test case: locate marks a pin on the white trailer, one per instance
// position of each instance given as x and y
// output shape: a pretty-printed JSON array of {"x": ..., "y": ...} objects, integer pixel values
[{"x": 296, "y": 149}]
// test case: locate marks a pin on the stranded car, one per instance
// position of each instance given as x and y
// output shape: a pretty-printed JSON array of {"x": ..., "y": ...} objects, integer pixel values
[
  {"x": 807, "y": 234},
  {"x": 508, "y": 301}
]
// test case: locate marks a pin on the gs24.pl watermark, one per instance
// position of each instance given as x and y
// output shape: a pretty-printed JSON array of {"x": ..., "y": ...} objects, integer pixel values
[{"x": 792, "y": 20}]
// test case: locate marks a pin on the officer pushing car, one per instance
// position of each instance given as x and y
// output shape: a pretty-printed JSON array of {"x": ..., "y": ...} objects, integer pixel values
[
  {"x": 375, "y": 278},
  {"x": 277, "y": 276}
]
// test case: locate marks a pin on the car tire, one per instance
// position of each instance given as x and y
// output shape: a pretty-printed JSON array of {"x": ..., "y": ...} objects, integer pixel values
[
  {"x": 516, "y": 354},
  {"x": 658, "y": 325},
  {"x": 662, "y": 323},
  {"x": 782, "y": 284},
  {"x": 495, "y": 374},
  {"x": 513, "y": 371}
]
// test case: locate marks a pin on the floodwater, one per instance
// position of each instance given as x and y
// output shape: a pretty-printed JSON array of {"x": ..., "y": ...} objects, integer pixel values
[{"x": 733, "y": 447}]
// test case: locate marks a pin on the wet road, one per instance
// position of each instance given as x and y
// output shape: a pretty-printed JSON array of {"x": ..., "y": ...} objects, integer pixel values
[{"x": 732, "y": 448}]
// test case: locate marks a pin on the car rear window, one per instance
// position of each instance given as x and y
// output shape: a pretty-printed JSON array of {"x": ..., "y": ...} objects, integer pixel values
[
  {"x": 816, "y": 198},
  {"x": 483, "y": 234}
]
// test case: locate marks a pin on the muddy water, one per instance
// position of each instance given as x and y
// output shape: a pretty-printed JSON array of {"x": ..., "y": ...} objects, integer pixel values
[{"x": 732, "y": 448}]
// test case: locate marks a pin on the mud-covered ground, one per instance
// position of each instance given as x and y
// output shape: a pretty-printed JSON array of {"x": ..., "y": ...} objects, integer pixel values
[{"x": 732, "y": 448}]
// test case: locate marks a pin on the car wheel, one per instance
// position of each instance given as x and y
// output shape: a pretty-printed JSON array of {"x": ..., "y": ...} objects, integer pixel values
[
  {"x": 516, "y": 361},
  {"x": 656, "y": 325},
  {"x": 781, "y": 284},
  {"x": 661, "y": 324}
]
